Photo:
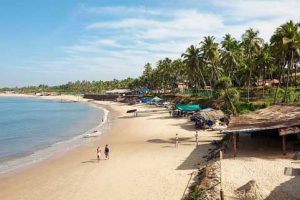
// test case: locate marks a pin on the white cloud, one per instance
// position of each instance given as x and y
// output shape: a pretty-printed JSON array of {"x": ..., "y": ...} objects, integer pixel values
[
  {"x": 121, "y": 10},
  {"x": 120, "y": 47},
  {"x": 261, "y": 8}
]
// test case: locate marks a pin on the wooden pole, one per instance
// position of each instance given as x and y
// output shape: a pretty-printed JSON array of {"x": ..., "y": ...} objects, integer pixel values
[
  {"x": 234, "y": 144},
  {"x": 284, "y": 145},
  {"x": 221, "y": 191}
]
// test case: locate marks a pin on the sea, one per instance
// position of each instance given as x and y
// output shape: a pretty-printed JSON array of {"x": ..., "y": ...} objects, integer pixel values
[{"x": 32, "y": 129}]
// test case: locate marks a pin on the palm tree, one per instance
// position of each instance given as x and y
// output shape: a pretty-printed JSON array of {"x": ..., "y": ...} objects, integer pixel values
[
  {"x": 193, "y": 64},
  {"x": 210, "y": 54},
  {"x": 264, "y": 63},
  {"x": 252, "y": 45},
  {"x": 286, "y": 40},
  {"x": 232, "y": 55}
]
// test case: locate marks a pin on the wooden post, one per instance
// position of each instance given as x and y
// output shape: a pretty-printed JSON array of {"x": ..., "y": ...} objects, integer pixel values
[
  {"x": 234, "y": 144},
  {"x": 237, "y": 140},
  {"x": 284, "y": 145},
  {"x": 221, "y": 191}
]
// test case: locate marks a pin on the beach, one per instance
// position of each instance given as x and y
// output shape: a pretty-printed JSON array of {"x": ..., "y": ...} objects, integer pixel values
[{"x": 143, "y": 164}]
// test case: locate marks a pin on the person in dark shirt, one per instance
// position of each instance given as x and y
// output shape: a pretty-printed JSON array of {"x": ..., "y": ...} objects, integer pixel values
[{"x": 106, "y": 152}]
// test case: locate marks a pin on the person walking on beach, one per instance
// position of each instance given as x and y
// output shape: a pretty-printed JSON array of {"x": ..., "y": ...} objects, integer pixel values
[
  {"x": 196, "y": 136},
  {"x": 99, "y": 154},
  {"x": 176, "y": 141},
  {"x": 106, "y": 152}
]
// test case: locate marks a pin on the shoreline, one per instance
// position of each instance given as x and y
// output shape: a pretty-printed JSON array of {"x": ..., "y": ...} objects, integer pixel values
[
  {"x": 58, "y": 148},
  {"x": 143, "y": 163}
]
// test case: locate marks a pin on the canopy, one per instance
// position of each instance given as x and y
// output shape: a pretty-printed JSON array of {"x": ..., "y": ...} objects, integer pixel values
[
  {"x": 187, "y": 107},
  {"x": 143, "y": 90},
  {"x": 157, "y": 99},
  {"x": 118, "y": 91},
  {"x": 207, "y": 110},
  {"x": 146, "y": 100}
]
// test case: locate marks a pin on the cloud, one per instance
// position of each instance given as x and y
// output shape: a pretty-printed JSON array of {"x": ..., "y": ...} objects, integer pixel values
[
  {"x": 121, "y": 10},
  {"x": 119, "y": 45},
  {"x": 267, "y": 9}
]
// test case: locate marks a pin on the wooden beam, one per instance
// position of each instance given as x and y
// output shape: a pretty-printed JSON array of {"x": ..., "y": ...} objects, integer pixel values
[
  {"x": 234, "y": 144},
  {"x": 284, "y": 144}
]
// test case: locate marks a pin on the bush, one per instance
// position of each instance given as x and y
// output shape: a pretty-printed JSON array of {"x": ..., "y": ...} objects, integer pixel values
[
  {"x": 243, "y": 108},
  {"x": 291, "y": 95},
  {"x": 195, "y": 194}
]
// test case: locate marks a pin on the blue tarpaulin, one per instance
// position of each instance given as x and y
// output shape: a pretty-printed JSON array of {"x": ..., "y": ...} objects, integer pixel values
[
  {"x": 143, "y": 90},
  {"x": 146, "y": 100}
]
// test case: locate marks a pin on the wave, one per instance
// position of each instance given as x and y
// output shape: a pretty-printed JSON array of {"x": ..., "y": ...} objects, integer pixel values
[{"x": 56, "y": 148}]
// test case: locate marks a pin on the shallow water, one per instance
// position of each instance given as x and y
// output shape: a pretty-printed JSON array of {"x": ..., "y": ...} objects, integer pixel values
[{"x": 29, "y": 125}]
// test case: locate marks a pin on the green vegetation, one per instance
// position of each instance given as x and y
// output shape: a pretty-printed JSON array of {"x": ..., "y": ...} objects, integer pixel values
[
  {"x": 235, "y": 72},
  {"x": 194, "y": 195},
  {"x": 243, "y": 108}
]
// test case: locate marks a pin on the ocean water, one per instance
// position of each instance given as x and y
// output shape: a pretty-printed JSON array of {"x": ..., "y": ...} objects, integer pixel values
[{"x": 33, "y": 129}]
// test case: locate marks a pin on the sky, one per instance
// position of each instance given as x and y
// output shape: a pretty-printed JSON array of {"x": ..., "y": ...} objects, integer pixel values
[{"x": 56, "y": 41}]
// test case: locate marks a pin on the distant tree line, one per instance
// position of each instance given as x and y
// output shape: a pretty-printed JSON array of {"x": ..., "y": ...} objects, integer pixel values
[{"x": 239, "y": 63}]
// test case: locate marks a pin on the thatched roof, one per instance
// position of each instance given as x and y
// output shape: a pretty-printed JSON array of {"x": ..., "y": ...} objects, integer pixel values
[
  {"x": 274, "y": 117},
  {"x": 212, "y": 114}
]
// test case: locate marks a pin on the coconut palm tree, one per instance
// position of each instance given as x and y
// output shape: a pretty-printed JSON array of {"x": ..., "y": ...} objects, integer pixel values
[
  {"x": 193, "y": 64},
  {"x": 210, "y": 54},
  {"x": 286, "y": 40},
  {"x": 252, "y": 45},
  {"x": 231, "y": 55},
  {"x": 264, "y": 64}
]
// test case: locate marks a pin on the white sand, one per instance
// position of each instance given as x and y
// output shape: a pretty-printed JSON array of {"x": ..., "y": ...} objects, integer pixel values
[
  {"x": 261, "y": 160},
  {"x": 144, "y": 163}
]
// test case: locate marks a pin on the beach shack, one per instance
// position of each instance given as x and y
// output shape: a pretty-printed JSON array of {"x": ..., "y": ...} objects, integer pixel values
[
  {"x": 122, "y": 92},
  {"x": 207, "y": 118},
  {"x": 282, "y": 118},
  {"x": 184, "y": 109}
]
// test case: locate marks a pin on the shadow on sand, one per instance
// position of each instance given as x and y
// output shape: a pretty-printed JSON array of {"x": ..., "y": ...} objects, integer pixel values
[
  {"x": 91, "y": 161},
  {"x": 194, "y": 160},
  {"x": 264, "y": 147},
  {"x": 288, "y": 190},
  {"x": 172, "y": 140}
]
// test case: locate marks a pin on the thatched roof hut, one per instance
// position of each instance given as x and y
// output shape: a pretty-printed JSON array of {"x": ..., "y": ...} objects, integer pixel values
[
  {"x": 211, "y": 114},
  {"x": 273, "y": 117},
  {"x": 284, "y": 118}
]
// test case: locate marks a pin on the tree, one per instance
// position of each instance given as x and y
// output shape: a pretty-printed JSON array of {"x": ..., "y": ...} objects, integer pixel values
[
  {"x": 194, "y": 66},
  {"x": 210, "y": 54},
  {"x": 264, "y": 64},
  {"x": 252, "y": 45},
  {"x": 286, "y": 40},
  {"x": 231, "y": 55},
  {"x": 223, "y": 86}
]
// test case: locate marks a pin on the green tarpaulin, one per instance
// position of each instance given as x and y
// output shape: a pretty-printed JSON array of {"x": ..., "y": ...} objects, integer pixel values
[{"x": 187, "y": 107}]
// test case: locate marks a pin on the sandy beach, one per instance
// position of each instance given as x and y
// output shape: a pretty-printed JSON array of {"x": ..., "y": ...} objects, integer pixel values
[
  {"x": 144, "y": 163},
  {"x": 261, "y": 160}
]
